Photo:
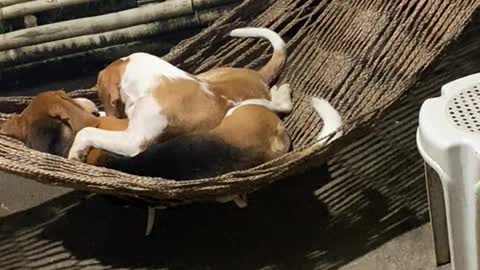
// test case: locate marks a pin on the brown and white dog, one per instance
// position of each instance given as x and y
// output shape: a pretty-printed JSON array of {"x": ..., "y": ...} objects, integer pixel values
[
  {"x": 249, "y": 135},
  {"x": 162, "y": 101}
]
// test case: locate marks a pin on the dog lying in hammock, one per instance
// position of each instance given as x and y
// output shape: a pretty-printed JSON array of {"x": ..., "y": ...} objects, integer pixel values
[
  {"x": 162, "y": 101},
  {"x": 249, "y": 135}
]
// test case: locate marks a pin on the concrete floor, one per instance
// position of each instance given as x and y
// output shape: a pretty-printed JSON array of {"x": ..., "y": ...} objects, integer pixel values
[{"x": 412, "y": 250}]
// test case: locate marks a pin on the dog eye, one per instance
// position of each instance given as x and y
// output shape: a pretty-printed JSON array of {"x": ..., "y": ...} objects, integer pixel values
[{"x": 97, "y": 114}]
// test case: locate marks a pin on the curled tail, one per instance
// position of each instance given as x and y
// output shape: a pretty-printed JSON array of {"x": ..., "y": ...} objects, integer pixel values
[
  {"x": 331, "y": 120},
  {"x": 274, "y": 67}
]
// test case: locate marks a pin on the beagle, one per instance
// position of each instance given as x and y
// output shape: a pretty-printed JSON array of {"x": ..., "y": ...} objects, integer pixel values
[{"x": 162, "y": 101}]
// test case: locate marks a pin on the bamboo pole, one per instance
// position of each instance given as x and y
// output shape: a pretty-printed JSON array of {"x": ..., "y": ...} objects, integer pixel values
[
  {"x": 36, "y": 6},
  {"x": 147, "y": 2},
  {"x": 104, "y": 23},
  {"x": 82, "y": 43},
  {"x": 4, "y": 3},
  {"x": 100, "y": 55}
]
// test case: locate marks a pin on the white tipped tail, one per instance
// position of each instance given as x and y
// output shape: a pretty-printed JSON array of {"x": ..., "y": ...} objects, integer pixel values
[
  {"x": 274, "y": 67},
  {"x": 332, "y": 120},
  {"x": 274, "y": 38}
]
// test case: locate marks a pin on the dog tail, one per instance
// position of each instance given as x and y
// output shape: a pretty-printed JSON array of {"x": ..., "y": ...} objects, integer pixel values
[
  {"x": 332, "y": 120},
  {"x": 274, "y": 67}
]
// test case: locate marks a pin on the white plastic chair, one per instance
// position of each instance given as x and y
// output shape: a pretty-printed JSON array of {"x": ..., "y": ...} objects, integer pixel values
[{"x": 448, "y": 138}]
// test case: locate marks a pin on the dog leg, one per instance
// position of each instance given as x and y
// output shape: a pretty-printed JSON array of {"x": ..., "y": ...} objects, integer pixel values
[
  {"x": 145, "y": 125},
  {"x": 118, "y": 142}
]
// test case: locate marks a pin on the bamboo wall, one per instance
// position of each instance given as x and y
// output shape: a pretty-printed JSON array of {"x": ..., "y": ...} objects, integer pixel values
[{"x": 37, "y": 33}]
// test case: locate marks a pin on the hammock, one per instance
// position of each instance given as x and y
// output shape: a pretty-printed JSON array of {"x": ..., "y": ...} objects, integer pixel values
[{"x": 361, "y": 55}]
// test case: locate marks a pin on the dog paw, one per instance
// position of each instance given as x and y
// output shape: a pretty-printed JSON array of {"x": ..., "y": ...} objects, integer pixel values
[
  {"x": 285, "y": 90},
  {"x": 282, "y": 98},
  {"x": 273, "y": 89},
  {"x": 77, "y": 154},
  {"x": 79, "y": 149},
  {"x": 74, "y": 155}
]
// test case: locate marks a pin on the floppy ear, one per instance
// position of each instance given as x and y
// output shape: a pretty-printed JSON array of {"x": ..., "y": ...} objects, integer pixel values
[
  {"x": 73, "y": 115},
  {"x": 49, "y": 135},
  {"x": 112, "y": 91},
  {"x": 109, "y": 92},
  {"x": 14, "y": 127}
]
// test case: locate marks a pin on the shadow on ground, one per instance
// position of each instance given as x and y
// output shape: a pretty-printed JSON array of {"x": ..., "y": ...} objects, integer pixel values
[{"x": 285, "y": 227}]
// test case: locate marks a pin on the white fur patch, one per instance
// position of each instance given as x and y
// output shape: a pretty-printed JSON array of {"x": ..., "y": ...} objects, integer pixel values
[
  {"x": 145, "y": 124},
  {"x": 142, "y": 75},
  {"x": 332, "y": 120},
  {"x": 281, "y": 101},
  {"x": 146, "y": 120},
  {"x": 274, "y": 38}
]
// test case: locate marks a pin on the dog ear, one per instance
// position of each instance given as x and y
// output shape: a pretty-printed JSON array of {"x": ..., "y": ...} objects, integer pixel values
[
  {"x": 47, "y": 135},
  {"x": 73, "y": 115},
  {"x": 108, "y": 87},
  {"x": 14, "y": 127}
]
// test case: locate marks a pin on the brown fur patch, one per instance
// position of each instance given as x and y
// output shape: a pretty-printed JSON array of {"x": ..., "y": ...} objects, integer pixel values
[
  {"x": 274, "y": 67},
  {"x": 280, "y": 143},
  {"x": 191, "y": 109},
  {"x": 108, "y": 87},
  {"x": 188, "y": 107},
  {"x": 236, "y": 84},
  {"x": 256, "y": 128}
]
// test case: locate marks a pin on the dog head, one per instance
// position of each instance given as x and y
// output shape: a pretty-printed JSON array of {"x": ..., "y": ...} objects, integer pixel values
[
  {"x": 108, "y": 87},
  {"x": 51, "y": 120}
]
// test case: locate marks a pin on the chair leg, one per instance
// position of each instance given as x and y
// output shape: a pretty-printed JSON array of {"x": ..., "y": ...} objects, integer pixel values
[
  {"x": 461, "y": 211},
  {"x": 438, "y": 216},
  {"x": 150, "y": 220}
]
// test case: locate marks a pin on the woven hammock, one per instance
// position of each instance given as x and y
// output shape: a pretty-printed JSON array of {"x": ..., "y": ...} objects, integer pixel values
[{"x": 361, "y": 55}]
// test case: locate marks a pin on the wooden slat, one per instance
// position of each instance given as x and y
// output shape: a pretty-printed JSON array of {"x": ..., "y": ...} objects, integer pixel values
[
  {"x": 32, "y": 7},
  {"x": 104, "y": 23}
]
